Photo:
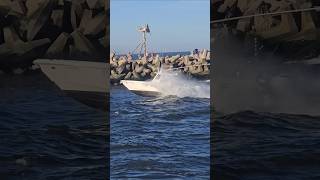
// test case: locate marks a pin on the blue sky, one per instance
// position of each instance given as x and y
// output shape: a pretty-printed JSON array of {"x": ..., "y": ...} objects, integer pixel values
[{"x": 176, "y": 25}]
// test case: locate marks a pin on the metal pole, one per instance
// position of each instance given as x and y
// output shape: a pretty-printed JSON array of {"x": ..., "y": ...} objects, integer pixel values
[{"x": 145, "y": 44}]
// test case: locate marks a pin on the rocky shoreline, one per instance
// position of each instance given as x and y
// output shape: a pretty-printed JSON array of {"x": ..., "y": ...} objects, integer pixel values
[{"x": 125, "y": 68}]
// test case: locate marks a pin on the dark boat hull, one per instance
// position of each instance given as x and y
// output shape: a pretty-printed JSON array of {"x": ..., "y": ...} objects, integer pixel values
[{"x": 146, "y": 93}]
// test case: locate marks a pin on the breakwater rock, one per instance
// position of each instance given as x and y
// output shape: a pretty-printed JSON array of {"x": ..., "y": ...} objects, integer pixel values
[
  {"x": 63, "y": 29},
  {"x": 124, "y": 68},
  {"x": 294, "y": 35}
]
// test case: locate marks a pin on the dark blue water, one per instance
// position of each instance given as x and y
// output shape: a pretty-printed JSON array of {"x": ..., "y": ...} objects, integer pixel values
[
  {"x": 159, "y": 138},
  {"x": 46, "y": 135},
  {"x": 249, "y": 145}
]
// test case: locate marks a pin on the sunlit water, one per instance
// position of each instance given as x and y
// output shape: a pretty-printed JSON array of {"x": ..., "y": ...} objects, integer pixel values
[{"x": 159, "y": 138}]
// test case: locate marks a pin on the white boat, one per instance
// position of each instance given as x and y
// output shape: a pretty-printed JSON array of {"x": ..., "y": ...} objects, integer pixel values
[
  {"x": 87, "y": 82},
  {"x": 153, "y": 87},
  {"x": 142, "y": 88}
]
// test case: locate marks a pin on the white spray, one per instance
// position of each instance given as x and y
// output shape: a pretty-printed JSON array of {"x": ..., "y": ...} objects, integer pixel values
[{"x": 177, "y": 84}]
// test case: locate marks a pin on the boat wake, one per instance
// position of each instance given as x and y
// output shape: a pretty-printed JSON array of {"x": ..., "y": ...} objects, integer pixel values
[{"x": 174, "y": 83}]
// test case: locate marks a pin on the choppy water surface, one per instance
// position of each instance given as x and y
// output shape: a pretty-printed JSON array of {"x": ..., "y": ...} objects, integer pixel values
[
  {"x": 46, "y": 135},
  {"x": 159, "y": 138},
  {"x": 250, "y": 145}
]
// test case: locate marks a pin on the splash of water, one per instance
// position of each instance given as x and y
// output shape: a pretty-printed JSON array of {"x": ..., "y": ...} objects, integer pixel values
[
  {"x": 264, "y": 83},
  {"x": 175, "y": 83}
]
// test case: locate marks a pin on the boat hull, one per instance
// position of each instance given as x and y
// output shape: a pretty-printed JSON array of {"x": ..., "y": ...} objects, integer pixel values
[
  {"x": 87, "y": 82},
  {"x": 142, "y": 88},
  {"x": 147, "y": 93}
]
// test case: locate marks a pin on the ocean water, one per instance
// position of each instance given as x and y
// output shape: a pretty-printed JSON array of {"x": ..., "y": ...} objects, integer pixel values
[
  {"x": 159, "y": 137},
  {"x": 46, "y": 135},
  {"x": 249, "y": 145}
]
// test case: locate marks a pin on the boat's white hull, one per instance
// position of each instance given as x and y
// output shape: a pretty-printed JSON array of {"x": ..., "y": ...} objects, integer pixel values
[
  {"x": 86, "y": 81},
  {"x": 76, "y": 75},
  {"x": 143, "y": 88}
]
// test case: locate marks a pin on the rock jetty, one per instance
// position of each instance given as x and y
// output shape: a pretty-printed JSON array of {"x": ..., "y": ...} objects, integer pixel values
[
  {"x": 68, "y": 29},
  {"x": 125, "y": 68},
  {"x": 294, "y": 35}
]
